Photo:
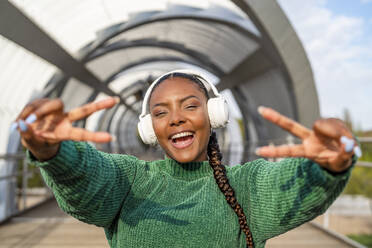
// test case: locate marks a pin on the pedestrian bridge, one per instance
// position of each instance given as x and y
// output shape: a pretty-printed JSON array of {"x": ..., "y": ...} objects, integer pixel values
[{"x": 246, "y": 47}]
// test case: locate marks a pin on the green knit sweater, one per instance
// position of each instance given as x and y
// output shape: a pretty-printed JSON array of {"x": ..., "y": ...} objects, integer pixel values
[{"x": 167, "y": 204}]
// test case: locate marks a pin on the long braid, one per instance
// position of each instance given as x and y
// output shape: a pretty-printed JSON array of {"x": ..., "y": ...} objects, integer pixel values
[{"x": 222, "y": 181}]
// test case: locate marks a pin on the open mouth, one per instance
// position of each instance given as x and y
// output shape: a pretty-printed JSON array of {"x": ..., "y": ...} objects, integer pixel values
[{"x": 182, "y": 140}]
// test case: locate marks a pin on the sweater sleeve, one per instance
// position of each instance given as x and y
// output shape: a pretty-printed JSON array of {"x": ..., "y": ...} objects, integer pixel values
[
  {"x": 279, "y": 196},
  {"x": 88, "y": 184}
]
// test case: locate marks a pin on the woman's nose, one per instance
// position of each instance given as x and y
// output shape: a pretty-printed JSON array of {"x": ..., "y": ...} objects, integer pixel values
[{"x": 176, "y": 118}]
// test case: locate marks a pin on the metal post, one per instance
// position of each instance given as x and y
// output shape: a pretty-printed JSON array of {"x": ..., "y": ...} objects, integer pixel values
[
  {"x": 271, "y": 159},
  {"x": 290, "y": 140},
  {"x": 24, "y": 183},
  {"x": 326, "y": 219}
]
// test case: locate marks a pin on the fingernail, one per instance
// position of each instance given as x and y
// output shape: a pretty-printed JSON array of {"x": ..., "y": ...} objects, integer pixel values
[
  {"x": 117, "y": 99},
  {"x": 22, "y": 126},
  {"x": 113, "y": 138},
  {"x": 13, "y": 127},
  {"x": 31, "y": 119},
  {"x": 349, "y": 143},
  {"x": 260, "y": 109},
  {"x": 357, "y": 151}
]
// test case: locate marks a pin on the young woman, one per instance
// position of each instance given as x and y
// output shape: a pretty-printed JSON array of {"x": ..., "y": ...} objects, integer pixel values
[{"x": 189, "y": 199}]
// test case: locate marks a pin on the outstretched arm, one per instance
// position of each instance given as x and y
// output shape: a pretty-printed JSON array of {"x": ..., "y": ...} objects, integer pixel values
[
  {"x": 285, "y": 194},
  {"x": 88, "y": 184}
]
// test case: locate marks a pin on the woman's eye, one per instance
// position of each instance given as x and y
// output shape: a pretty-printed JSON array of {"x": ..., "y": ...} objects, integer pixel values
[
  {"x": 190, "y": 106},
  {"x": 158, "y": 114}
]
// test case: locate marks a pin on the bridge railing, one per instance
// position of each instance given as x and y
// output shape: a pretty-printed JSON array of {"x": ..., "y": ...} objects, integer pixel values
[
  {"x": 363, "y": 140},
  {"x": 20, "y": 196},
  {"x": 357, "y": 204}
]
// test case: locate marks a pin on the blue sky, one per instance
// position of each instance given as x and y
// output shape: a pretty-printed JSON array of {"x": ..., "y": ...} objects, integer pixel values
[
  {"x": 352, "y": 8},
  {"x": 337, "y": 36},
  {"x": 359, "y": 9}
]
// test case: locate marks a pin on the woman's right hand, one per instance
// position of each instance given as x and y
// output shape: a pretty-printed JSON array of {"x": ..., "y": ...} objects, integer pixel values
[{"x": 43, "y": 124}]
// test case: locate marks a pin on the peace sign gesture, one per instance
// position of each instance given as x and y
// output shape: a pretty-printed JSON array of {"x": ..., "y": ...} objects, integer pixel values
[
  {"x": 330, "y": 144},
  {"x": 43, "y": 124}
]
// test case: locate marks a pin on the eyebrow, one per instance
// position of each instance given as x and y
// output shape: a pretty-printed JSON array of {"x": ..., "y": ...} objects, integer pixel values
[{"x": 181, "y": 101}]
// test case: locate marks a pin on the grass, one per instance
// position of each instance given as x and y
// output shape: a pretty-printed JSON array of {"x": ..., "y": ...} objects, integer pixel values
[{"x": 364, "y": 239}]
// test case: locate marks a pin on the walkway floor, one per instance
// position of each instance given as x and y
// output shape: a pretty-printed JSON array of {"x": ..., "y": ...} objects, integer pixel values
[{"x": 47, "y": 226}]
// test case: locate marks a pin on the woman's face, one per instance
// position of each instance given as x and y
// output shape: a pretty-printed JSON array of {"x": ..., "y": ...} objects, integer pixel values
[{"x": 180, "y": 119}]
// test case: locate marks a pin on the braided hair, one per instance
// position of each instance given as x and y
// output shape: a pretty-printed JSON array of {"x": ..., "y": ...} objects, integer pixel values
[{"x": 219, "y": 171}]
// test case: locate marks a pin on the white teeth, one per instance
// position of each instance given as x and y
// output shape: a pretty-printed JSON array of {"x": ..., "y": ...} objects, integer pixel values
[{"x": 180, "y": 135}]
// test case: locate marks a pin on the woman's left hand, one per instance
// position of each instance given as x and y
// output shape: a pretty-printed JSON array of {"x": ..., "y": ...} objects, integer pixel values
[{"x": 330, "y": 144}]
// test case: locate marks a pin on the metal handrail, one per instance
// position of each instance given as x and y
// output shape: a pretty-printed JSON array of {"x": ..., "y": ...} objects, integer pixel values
[
  {"x": 365, "y": 139},
  {"x": 25, "y": 175},
  {"x": 342, "y": 238},
  {"x": 364, "y": 163},
  {"x": 12, "y": 156}
]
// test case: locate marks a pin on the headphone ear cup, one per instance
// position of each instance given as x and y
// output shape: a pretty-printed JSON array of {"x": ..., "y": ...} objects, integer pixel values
[
  {"x": 146, "y": 131},
  {"x": 218, "y": 112}
]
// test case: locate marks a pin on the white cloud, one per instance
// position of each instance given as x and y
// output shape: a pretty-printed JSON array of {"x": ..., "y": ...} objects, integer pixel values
[{"x": 339, "y": 50}]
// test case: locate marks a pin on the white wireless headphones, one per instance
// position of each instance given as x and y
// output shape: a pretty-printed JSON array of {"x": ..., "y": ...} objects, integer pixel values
[{"x": 217, "y": 108}]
